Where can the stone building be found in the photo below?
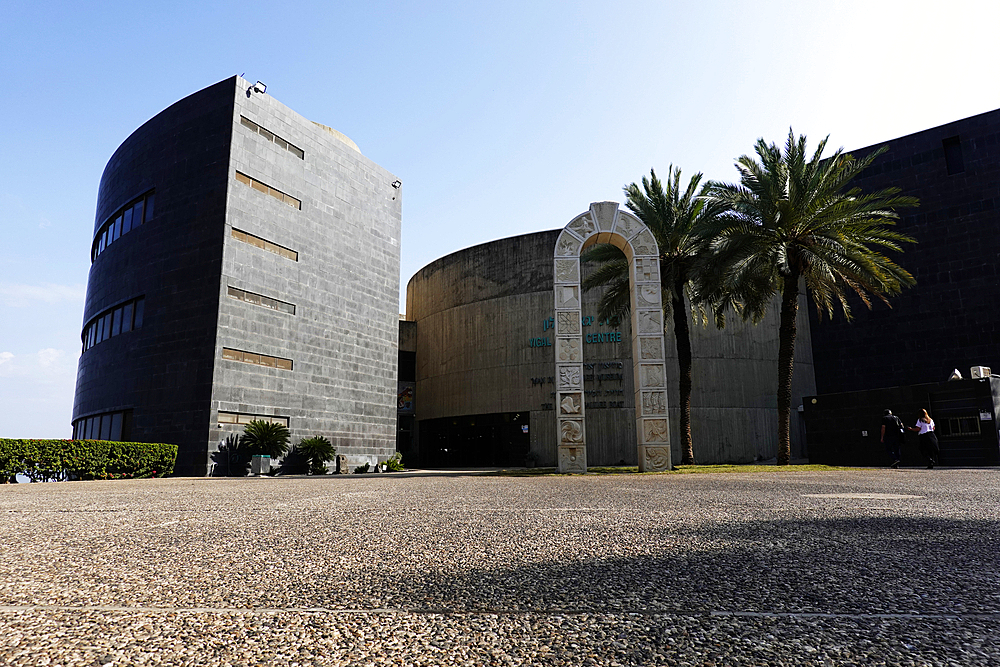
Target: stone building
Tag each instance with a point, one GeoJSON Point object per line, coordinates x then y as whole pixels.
{"type": "Point", "coordinates": [245, 266]}
{"type": "Point", "coordinates": [900, 357]}
{"type": "Point", "coordinates": [951, 318]}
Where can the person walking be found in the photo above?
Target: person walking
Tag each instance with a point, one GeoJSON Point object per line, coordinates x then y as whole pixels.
{"type": "Point", "coordinates": [892, 437]}
{"type": "Point", "coordinates": [928, 439]}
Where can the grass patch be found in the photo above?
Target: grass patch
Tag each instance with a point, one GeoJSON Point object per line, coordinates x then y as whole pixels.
{"type": "Point", "coordinates": [678, 470]}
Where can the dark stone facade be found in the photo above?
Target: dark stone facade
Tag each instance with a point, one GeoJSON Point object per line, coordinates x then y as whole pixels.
{"type": "Point", "coordinates": [845, 428]}
{"type": "Point", "coordinates": [951, 318]}
{"type": "Point", "coordinates": [269, 275]}
{"type": "Point", "coordinates": [163, 370]}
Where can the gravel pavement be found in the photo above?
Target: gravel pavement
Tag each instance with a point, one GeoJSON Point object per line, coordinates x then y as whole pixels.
{"type": "Point", "coordinates": [865, 567]}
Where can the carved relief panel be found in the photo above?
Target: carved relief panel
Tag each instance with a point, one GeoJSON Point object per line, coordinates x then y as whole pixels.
{"type": "Point", "coordinates": [650, 347]}
{"type": "Point", "coordinates": [569, 377]}
{"type": "Point", "coordinates": [570, 404]}
{"type": "Point", "coordinates": [652, 375]}
{"type": "Point", "coordinates": [655, 459]}
{"type": "Point", "coordinates": [571, 432]}
{"type": "Point", "coordinates": [568, 323]}
{"type": "Point", "coordinates": [627, 225]}
{"type": "Point", "coordinates": [568, 245]}
{"type": "Point", "coordinates": [647, 295]}
{"type": "Point", "coordinates": [583, 226]}
{"type": "Point", "coordinates": [647, 269]}
{"type": "Point", "coordinates": [655, 430]}
{"type": "Point", "coordinates": [654, 403]}
{"type": "Point", "coordinates": [567, 296]}
{"type": "Point", "coordinates": [567, 271]}
{"type": "Point", "coordinates": [569, 349]}
{"type": "Point", "coordinates": [649, 321]}
{"type": "Point", "coordinates": [572, 459]}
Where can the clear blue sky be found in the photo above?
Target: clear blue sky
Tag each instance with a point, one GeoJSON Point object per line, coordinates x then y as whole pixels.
{"type": "Point", "coordinates": [500, 118]}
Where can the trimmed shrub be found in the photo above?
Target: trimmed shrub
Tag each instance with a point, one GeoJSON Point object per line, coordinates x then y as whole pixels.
{"type": "Point", "coordinates": [317, 451]}
{"type": "Point", "coordinates": [84, 459]}
{"type": "Point", "coordinates": [264, 437]}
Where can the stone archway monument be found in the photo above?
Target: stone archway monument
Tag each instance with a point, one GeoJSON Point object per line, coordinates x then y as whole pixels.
{"type": "Point", "coordinates": [606, 223]}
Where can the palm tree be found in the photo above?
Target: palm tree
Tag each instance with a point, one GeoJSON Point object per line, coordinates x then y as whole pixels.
{"type": "Point", "coordinates": [265, 437]}
{"type": "Point", "coordinates": [790, 219]}
{"type": "Point", "coordinates": [679, 219]}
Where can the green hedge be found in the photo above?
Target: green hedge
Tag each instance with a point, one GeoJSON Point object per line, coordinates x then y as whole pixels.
{"type": "Point", "coordinates": [84, 459]}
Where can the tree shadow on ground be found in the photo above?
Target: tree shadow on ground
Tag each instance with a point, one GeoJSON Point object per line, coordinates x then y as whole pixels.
{"type": "Point", "coordinates": [842, 566]}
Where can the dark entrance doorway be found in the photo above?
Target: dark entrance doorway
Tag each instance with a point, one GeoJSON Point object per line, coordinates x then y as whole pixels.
{"type": "Point", "coordinates": [475, 441]}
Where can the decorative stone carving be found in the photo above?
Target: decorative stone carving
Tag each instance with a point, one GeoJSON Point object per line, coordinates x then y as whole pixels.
{"type": "Point", "coordinates": [655, 430]}
{"type": "Point", "coordinates": [604, 213]}
{"type": "Point", "coordinates": [568, 349]}
{"type": "Point", "coordinates": [627, 225]}
{"type": "Point", "coordinates": [568, 245]}
{"type": "Point", "coordinates": [571, 432]}
{"type": "Point", "coordinates": [650, 348]}
{"type": "Point", "coordinates": [572, 459]}
{"type": "Point", "coordinates": [646, 269]}
{"type": "Point", "coordinates": [652, 375]}
{"type": "Point", "coordinates": [567, 296]}
{"type": "Point", "coordinates": [571, 404]}
{"type": "Point", "coordinates": [570, 377]}
{"type": "Point", "coordinates": [647, 294]}
{"type": "Point", "coordinates": [568, 323]}
{"type": "Point", "coordinates": [654, 403]}
{"type": "Point", "coordinates": [655, 459]}
{"type": "Point", "coordinates": [649, 321]}
{"type": "Point", "coordinates": [644, 244]}
{"type": "Point", "coordinates": [584, 225]}
{"type": "Point", "coordinates": [567, 271]}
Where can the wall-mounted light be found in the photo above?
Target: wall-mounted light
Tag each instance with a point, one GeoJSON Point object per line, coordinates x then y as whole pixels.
{"type": "Point", "coordinates": [257, 88]}
{"type": "Point", "coordinates": [397, 184]}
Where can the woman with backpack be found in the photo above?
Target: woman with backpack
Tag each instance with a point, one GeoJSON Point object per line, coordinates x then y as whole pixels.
{"type": "Point", "coordinates": [892, 437]}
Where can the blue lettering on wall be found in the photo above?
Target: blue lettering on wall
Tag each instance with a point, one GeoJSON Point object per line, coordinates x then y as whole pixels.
{"type": "Point", "coordinates": [587, 320]}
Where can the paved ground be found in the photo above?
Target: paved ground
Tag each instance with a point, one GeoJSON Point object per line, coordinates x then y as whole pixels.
{"type": "Point", "coordinates": [867, 567]}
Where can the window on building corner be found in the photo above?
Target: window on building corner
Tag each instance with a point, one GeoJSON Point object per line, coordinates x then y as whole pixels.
{"type": "Point", "coordinates": [953, 155]}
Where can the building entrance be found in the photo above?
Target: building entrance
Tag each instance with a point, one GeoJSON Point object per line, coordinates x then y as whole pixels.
{"type": "Point", "coordinates": [475, 441]}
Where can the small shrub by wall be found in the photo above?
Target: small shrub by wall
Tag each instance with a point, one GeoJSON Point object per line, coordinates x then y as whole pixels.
{"type": "Point", "coordinates": [84, 459]}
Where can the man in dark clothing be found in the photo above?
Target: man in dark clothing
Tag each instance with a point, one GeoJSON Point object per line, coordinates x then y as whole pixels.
{"type": "Point", "coordinates": [892, 437]}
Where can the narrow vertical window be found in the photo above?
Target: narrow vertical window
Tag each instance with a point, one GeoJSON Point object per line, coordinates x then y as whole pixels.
{"type": "Point", "coordinates": [953, 155]}
{"type": "Point", "coordinates": [139, 308]}
{"type": "Point", "coordinates": [127, 221]}
{"type": "Point", "coordinates": [137, 213]}
{"type": "Point", "coordinates": [127, 317]}
{"type": "Point", "coordinates": [105, 427]}
{"type": "Point", "coordinates": [116, 427]}
{"type": "Point", "coordinates": [116, 322]}
{"type": "Point", "coordinates": [149, 207]}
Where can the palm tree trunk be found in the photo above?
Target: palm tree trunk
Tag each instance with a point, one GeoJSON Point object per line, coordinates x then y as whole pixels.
{"type": "Point", "coordinates": [786, 363]}
{"type": "Point", "coordinates": [683, 339]}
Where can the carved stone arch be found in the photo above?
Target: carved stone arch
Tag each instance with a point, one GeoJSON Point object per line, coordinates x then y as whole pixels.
{"type": "Point", "coordinates": [606, 223]}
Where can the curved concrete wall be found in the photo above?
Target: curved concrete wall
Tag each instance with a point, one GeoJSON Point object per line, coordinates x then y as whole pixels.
{"type": "Point", "coordinates": [478, 310]}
